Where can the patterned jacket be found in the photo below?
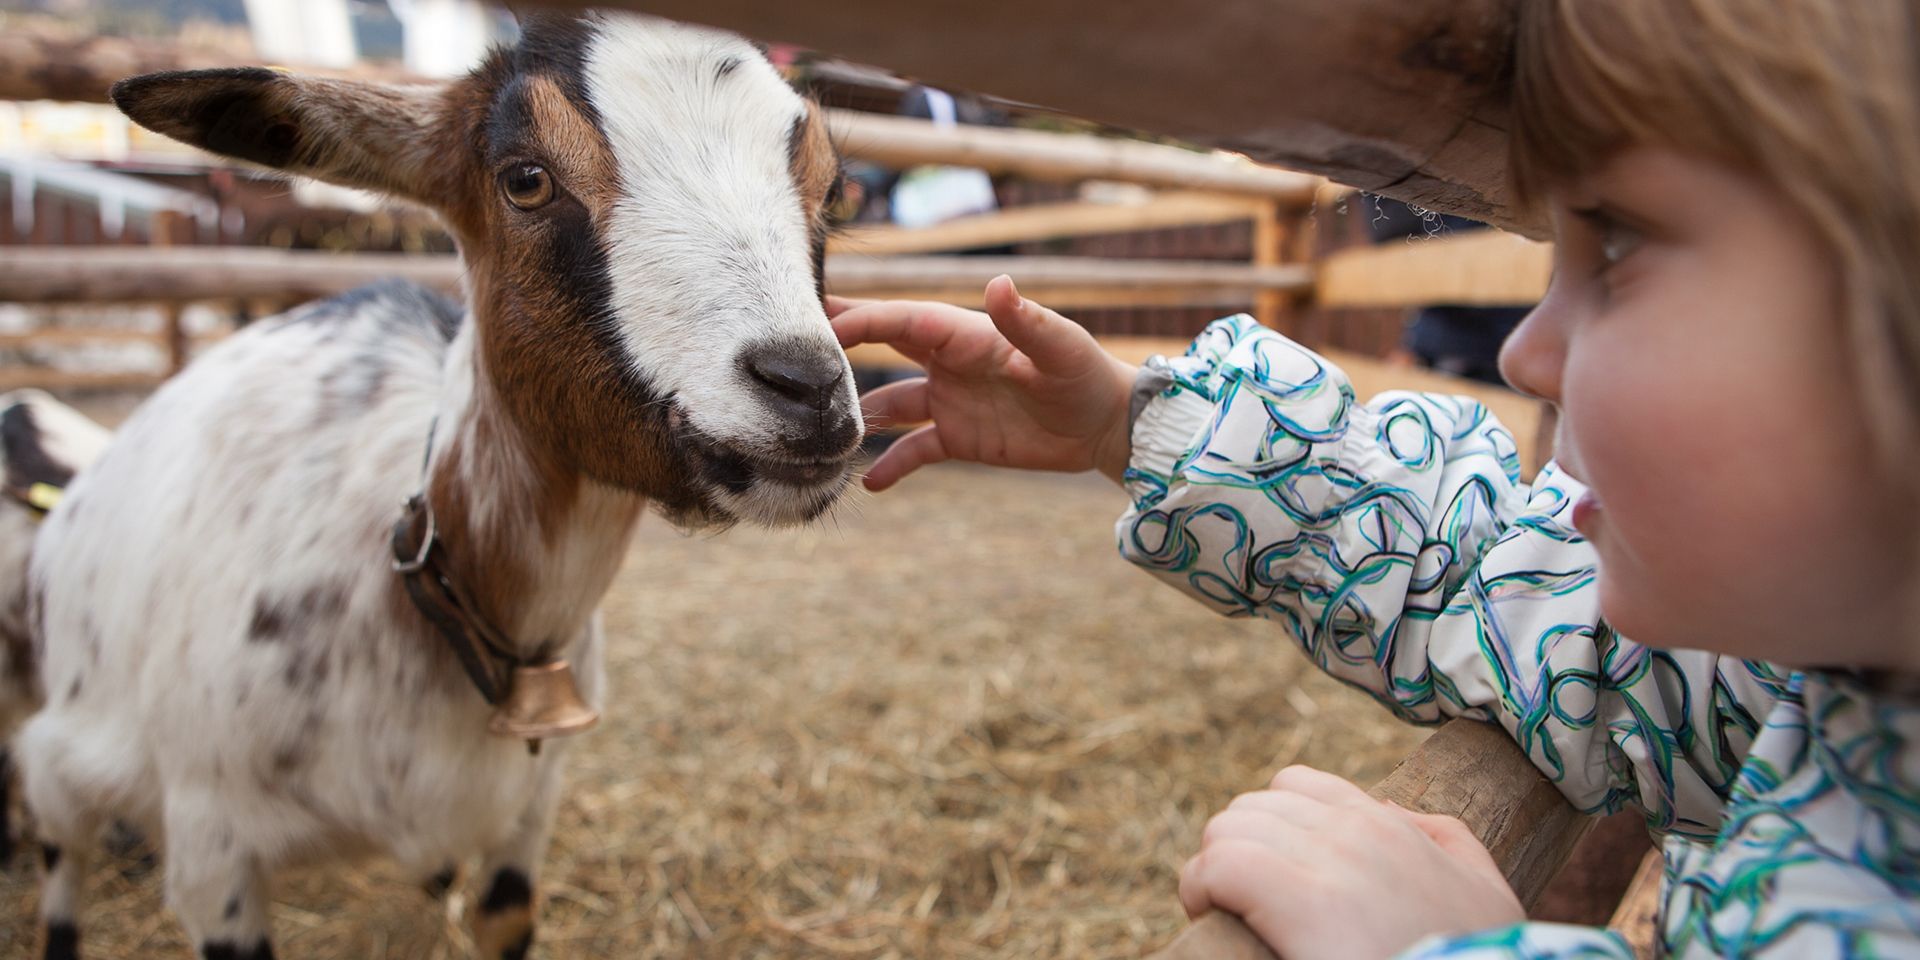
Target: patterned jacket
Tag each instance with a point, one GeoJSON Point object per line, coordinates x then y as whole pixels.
{"type": "Point", "coordinates": [1395, 544]}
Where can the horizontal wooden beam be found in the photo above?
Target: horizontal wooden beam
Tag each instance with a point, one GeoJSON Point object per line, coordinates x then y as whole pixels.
{"type": "Point", "coordinates": [43, 378]}
{"type": "Point", "coordinates": [1048, 221]}
{"type": "Point", "coordinates": [1468, 770]}
{"type": "Point", "coordinates": [853, 274]}
{"type": "Point", "coordinates": [1481, 268]}
{"type": "Point", "coordinates": [901, 142]}
{"type": "Point", "coordinates": [112, 274]}
{"type": "Point", "coordinates": [1067, 297]}
{"type": "Point", "coordinates": [1402, 97]}
{"type": "Point", "coordinates": [140, 274]}
{"type": "Point", "coordinates": [67, 338]}
{"type": "Point", "coordinates": [38, 62]}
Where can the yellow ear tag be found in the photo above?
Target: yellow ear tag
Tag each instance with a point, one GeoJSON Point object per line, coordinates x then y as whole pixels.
{"type": "Point", "coordinates": [44, 496]}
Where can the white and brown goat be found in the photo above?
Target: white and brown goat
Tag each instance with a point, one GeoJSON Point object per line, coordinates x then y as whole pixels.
{"type": "Point", "coordinates": [43, 443]}
{"type": "Point", "coordinates": [231, 661]}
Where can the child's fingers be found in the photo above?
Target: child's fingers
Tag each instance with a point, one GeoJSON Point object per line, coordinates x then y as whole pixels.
{"type": "Point", "coordinates": [1232, 875]}
{"type": "Point", "coordinates": [907, 454]}
{"type": "Point", "coordinates": [1054, 343]}
{"type": "Point", "coordinates": [1320, 785]}
{"type": "Point", "coordinates": [904, 401]}
{"type": "Point", "coordinates": [1193, 891]}
{"type": "Point", "coordinates": [1453, 836]}
{"type": "Point", "coordinates": [1295, 808]}
{"type": "Point", "coordinates": [839, 305]}
{"type": "Point", "coordinates": [913, 328]}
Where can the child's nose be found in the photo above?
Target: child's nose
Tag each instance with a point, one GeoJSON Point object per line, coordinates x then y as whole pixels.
{"type": "Point", "coordinates": [1535, 354]}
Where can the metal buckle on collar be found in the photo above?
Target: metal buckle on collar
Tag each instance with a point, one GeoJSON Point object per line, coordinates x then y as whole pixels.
{"type": "Point", "coordinates": [417, 504]}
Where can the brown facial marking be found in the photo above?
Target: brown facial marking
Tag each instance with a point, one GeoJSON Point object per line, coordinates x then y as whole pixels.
{"type": "Point", "coordinates": [813, 162]}
{"type": "Point", "coordinates": [542, 296]}
{"type": "Point", "coordinates": [575, 148]}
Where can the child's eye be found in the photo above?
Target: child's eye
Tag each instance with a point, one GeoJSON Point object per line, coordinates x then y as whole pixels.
{"type": "Point", "coordinates": [1618, 242]}
{"type": "Point", "coordinates": [1614, 238]}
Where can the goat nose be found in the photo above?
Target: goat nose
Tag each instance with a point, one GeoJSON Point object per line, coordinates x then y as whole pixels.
{"type": "Point", "coordinates": [798, 378]}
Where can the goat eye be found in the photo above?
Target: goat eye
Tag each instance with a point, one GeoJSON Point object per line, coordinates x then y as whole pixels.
{"type": "Point", "coordinates": [527, 186]}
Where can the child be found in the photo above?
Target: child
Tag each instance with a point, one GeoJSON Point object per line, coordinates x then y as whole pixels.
{"type": "Point", "coordinates": [1733, 340]}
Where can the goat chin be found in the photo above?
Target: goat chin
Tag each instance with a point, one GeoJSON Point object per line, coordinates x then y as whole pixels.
{"type": "Point", "coordinates": [773, 504]}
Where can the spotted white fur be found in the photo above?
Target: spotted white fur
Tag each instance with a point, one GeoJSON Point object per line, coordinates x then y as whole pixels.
{"type": "Point", "coordinates": [254, 492]}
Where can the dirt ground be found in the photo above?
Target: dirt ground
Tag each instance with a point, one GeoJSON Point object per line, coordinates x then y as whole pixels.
{"type": "Point", "coordinates": [950, 722]}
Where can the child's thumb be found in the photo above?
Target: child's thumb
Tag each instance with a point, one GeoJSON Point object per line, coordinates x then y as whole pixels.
{"type": "Point", "coordinates": [1054, 343]}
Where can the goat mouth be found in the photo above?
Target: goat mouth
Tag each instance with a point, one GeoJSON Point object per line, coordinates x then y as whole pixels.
{"type": "Point", "coordinates": [737, 471]}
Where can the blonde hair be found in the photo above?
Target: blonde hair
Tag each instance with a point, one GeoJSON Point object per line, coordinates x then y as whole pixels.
{"type": "Point", "coordinates": [1820, 98]}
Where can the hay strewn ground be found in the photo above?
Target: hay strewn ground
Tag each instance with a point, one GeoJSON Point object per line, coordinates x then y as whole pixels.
{"type": "Point", "coordinates": [951, 724]}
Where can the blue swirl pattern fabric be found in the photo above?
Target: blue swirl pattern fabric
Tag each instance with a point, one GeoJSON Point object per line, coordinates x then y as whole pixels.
{"type": "Point", "coordinates": [1396, 545]}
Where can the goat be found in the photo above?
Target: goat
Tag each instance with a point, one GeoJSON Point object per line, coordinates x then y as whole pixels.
{"type": "Point", "coordinates": [43, 443]}
{"type": "Point", "coordinates": [233, 664]}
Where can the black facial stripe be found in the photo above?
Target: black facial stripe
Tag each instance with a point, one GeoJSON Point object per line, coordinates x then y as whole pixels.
{"type": "Point", "coordinates": [510, 123]}
{"type": "Point", "coordinates": [573, 255]}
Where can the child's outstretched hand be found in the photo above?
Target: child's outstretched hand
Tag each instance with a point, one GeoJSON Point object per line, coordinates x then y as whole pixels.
{"type": "Point", "coordinates": [1017, 386]}
{"type": "Point", "coordinates": [1319, 869]}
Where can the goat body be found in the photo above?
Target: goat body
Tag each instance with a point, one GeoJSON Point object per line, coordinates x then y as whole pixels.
{"type": "Point", "coordinates": [229, 659]}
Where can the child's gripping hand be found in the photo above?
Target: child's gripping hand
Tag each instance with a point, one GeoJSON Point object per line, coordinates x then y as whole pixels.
{"type": "Point", "coordinates": [1018, 386]}
{"type": "Point", "coordinates": [1319, 869]}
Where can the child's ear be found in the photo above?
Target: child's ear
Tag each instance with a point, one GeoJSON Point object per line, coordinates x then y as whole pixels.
{"type": "Point", "coordinates": [365, 135]}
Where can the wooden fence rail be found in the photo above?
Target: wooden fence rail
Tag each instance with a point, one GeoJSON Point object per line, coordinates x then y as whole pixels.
{"type": "Point", "coordinates": [145, 274]}
{"type": "Point", "coordinates": [1469, 770]}
{"type": "Point", "coordinates": [1477, 268]}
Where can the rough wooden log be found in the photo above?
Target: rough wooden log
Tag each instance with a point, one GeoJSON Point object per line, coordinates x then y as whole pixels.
{"type": "Point", "coordinates": [136, 274]}
{"type": "Point", "coordinates": [1048, 221]}
{"type": "Point", "coordinates": [1402, 97]}
{"type": "Point", "coordinates": [1468, 770]}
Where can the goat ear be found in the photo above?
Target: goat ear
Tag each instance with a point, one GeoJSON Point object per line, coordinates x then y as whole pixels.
{"type": "Point", "coordinates": [371, 136]}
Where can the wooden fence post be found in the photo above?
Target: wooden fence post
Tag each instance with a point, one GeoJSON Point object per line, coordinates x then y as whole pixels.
{"type": "Point", "coordinates": [1269, 244]}
{"type": "Point", "coordinates": [173, 332]}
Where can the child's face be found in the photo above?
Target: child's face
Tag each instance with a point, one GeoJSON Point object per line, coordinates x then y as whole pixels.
{"type": "Point", "coordinates": [1692, 338]}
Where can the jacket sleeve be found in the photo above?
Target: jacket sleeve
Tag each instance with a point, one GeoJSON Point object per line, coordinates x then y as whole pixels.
{"type": "Point", "coordinates": [1525, 941]}
{"type": "Point", "coordinates": [1396, 545]}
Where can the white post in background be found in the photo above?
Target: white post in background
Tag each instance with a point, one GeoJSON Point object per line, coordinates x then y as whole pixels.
{"type": "Point", "coordinates": [443, 38]}
{"type": "Point", "coordinates": [315, 32]}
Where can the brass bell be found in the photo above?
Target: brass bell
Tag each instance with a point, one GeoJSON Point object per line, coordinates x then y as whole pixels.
{"type": "Point", "coordinates": [542, 703]}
